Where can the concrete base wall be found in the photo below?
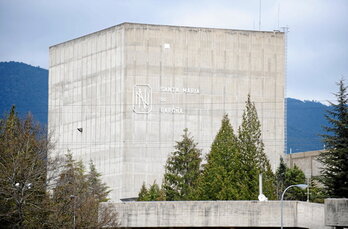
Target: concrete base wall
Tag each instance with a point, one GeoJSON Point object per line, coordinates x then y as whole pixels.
{"type": "Point", "coordinates": [219, 214]}
{"type": "Point", "coordinates": [336, 212]}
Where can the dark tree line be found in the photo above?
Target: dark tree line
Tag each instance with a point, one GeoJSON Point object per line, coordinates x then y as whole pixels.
{"type": "Point", "coordinates": [37, 192]}
{"type": "Point", "coordinates": [23, 147]}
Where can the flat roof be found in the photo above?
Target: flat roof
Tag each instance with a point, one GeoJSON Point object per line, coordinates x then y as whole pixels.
{"type": "Point", "coordinates": [305, 154]}
{"type": "Point", "coordinates": [158, 25]}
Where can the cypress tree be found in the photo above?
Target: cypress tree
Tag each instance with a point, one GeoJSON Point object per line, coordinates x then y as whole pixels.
{"type": "Point", "coordinates": [182, 169]}
{"type": "Point", "coordinates": [153, 193]}
{"type": "Point", "coordinates": [220, 179]}
{"type": "Point", "coordinates": [142, 196]}
{"type": "Point", "coordinates": [253, 158]}
{"type": "Point", "coordinates": [335, 170]}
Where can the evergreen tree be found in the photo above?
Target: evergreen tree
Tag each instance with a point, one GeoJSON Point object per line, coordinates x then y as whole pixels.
{"type": "Point", "coordinates": [335, 170]}
{"type": "Point", "coordinates": [23, 148]}
{"type": "Point", "coordinates": [316, 193]}
{"type": "Point", "coordinates": [96, 187]}
{"type": "Point", "coordinates": [142, 196]}
{"type": "Point", "coordinates": [295, 176]}
{"type": "Point", "coordinates": [220, 179]}
{"type": "Point", "coordinates": [154, 193]}
{"type": "Point", "coordinates": [286, 176]}
{"type": "Point", "coordinates": [76, 197]}
{"type": "Point", "coordinates": [182, 169]}
{"type": "Point", "coordinates": [280, 178]}
{"type": "Point", "coordinates": [69, 194]}
{"type": "Point", "coordinates": [253, 158]}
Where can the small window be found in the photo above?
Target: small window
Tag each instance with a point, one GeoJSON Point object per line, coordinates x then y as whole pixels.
{"type": "Point", "coordinates": [166, 46]}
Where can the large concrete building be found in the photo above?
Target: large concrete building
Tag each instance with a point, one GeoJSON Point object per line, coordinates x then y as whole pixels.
{"type": "Point", "coordinates": [307, 161]}
{"type": "Point", "coordinates": [122, 96]}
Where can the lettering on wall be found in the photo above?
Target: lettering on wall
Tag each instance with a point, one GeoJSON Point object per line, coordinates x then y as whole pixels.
{"type": "Point", "coordinates": [142, 99]}
{"type": "Point", "coordinates": [173, 110]}
{"type": "Point", "coordinates": [180, 90]}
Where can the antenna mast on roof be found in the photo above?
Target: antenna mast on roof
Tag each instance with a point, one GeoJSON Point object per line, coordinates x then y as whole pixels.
{"type": "Point", "coordinates": [260, 15]}
{"type": "Point", "coordinates": [278, 13]}
{"type": "Point", "coordinates": [286, 31]}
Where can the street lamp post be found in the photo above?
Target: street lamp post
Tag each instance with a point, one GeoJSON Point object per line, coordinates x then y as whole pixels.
{"type": "Point", "coordinates": [302, 186]}
{"type": "Point", "coordinates": [73, 198]}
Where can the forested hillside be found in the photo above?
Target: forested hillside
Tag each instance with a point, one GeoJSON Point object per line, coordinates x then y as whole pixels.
{"type": "Point", "coordinates": [26, 87]}
{"type": "Point", "coordinates": [305, 120]}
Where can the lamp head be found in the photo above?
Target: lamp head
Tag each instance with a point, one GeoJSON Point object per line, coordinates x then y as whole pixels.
{"type": "Point", "coordinates": [302, 186]}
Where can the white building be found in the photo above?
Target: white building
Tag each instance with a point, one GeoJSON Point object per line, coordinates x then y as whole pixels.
{"type": "Point", "coordinates": [131, 90]}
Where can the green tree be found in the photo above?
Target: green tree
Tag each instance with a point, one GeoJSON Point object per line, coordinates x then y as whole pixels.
{"type": "Point", "coordinates": [143, 194]}
{"type": "Point", "coordinates": [75, 201]}
{"type": "Point", "coordinates": [253, 159]}
{"type": "Point", "coordinates": [182, 169]}
{"type": "Point", "coordinates": [316, 193]}
{"type": "Point", "coordinates": [334, 158]}
{"type": "Point", "coordinates": [220, 179]}
{"type": "Point", "coordinates": [70, 186]}
{"type": "Point", "coordinates": [234, 163]}
{"type": "Point", "coordinates": [295, 176]}
{"type": "Point", "coordinates": [154, 193]}
{"type": "Point", "coordinates": [280, 178]}
{"type": "Point", "coordinates": [96, 187]}
{"type": "Point", "coordinates": [286, 176]}
{"type": "Point", "coordinates": [23, 148]}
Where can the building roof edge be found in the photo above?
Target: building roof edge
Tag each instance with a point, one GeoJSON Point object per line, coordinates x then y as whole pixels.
{"type": "Point", "coordinates": [159, 25]}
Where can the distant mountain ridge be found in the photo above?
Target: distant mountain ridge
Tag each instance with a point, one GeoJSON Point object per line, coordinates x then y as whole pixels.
{"type": "Point", "coordinates": [27, 87]}
{"type": "Point", "coordinates": [305, 121]}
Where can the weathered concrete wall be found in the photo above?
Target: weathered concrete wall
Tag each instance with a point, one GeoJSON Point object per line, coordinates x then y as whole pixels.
{"type": "Point", "coordinates": [86, 91]}
{"type": "Point", "coordinates": [336, 212]}
{"type": "Point", "coordinates": [221, 67]}
{"type": "Point", "coordinates": [133, 88]}
{"type": "Point", "coordinates": [306, 161]}
{"type": "Point", "coordinates": [220, 214]}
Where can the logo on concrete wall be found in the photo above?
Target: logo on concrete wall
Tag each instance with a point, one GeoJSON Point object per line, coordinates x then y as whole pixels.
{"type": "Point", "coordinates": [142, 99]}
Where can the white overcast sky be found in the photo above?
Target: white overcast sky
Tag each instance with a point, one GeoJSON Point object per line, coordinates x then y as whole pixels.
{"type": "Point", "coordinates": [317, 41]}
